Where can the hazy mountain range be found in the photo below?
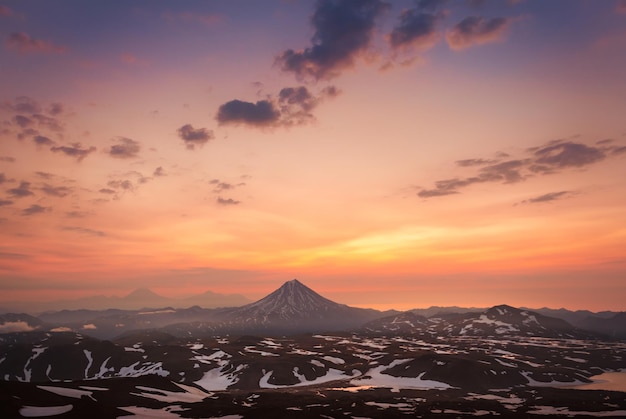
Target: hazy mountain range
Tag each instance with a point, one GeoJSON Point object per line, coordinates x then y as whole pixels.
{"type": "Point", "coordinates": [295, 308]}
{"type": "Point", "coordinates": [136, 300]}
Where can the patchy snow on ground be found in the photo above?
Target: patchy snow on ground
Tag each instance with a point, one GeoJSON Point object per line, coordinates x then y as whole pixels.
{"type": "Point", "coordinates": [67, 392]}
{"type": "Point", "coordinates": [331, 375]}
{"type": "Point", "coordinates": [145, 412]}
{"type": "Point", "coordinates": [145, 369]}
{"type": "Point", "coordinates": [551, 410]}
{"type": "Point", "coordinates": [256, 351]}
{"type": "Point", "coordinates": [334, 360]}
{"type": "Point", "coordinates": [214, 380]}
{"type": "Point", "coordinates": [190, 395]}
{"type": "Point", "coordinates": [44, 411]}
{"type": "Point", "coordinates": [376, 378]}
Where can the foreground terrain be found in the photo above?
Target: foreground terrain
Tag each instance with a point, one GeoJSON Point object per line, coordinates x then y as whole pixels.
{"type": "Point", "coordinates": [501, 361]}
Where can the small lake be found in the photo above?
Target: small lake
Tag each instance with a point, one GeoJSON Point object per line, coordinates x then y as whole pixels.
{"type": "Point", "coordinates": [615, 381]}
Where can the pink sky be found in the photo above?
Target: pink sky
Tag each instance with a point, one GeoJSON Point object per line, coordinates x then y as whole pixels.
{"type": "Point", "coordinates": [388, 155]}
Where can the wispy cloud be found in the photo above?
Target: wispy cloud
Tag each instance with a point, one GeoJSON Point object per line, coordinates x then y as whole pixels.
{"type": "Point", "coordinates": [553, 157]}
{"type": "Point", "coordinates": [75, 150]}
{"type": "Point", "coordinates": [34, 209]}
{"type": "Point", "coordinates": [548, 197]}
{"type": "Point", "coordinates": [477, 30]}
{"type": "Point", "coordinates": [125, 148]}
{"type": "Point", "coordinates": [86, 231]}
{"type": "Point", "coordinates": [228, 201]}
{"type": "Point", "coordinates": [21, 191]}
{"type": "Point", "coordinates": [24, 43]}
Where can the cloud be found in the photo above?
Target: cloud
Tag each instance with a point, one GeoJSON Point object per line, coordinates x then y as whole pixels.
{"type": "Point", "coordinates": [44, 175]}
{"type": "Point", "coordinates": [75, 150]}
{"type": "Point", "coordinates": [228, 201]}
{"type": "Point", "coordinates": [76, 214]}
{"type": "Point", "coordinates": [56, 108]}
{"type": "Point", "coordinates": [552, 196]}
{"type": "Point", "coordinates": [22, 121]}
{"type": "Point", "coordinates": [23, 43]}
{"type": "Point", "coordinates": [474, 162]}
{"type": "Point", "coordinates": [553, 157]}
{"type": "Point", "coordinates": [343, 31]}
{"type": "Point", "coordinates": [126, 185]}
{"type": "Point", "coordinates": [58, 191]}
{"type": "Point", "coordinates": [125, 149]}
{"type": "Point", "coordinates": [19, 326]}
{"type": "Point", "coordinates": [417, 27]}
{"type": "Point", "coordinates": [292, 106]}
{"type": "Point", "coordinates": [159, 172]}
{"type": "Point", "coordinates": [209, 19]}
{"type": "Point", "coordinates": [7, 159]}
{"type": "Point", "coordinates": [5, 11]}
{"type": "Point", "coordinates": [40, 140]}
{"type": "Point", "coordinates": [107, 191]}
{"type": "Point", "coordinates": [476, 30]}
{"type": "Point", "coordinates": [34, 209]}
{"type": "Point", "coordinates": [194, 136]}
{"type": "Point", "coordinates": [23, 104]}
{"type": "Point", "coordinates": [5, 202]}
{"type": "Point", "coordinates": [568, 154]}
{"type": "Point", "coordinates": [261, 113]}
{"type": "Point", "coordinates": [2, 178]}
{"type": "Point", "coordinates": [21, 191]}
{"type": "Point", "coordinates": [87, 231]}
{"type": "Point", "coordinates": [48, 122]}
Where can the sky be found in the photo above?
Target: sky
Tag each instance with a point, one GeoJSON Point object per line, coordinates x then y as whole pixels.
{"type": "Point", "coordinates": [387, 154]}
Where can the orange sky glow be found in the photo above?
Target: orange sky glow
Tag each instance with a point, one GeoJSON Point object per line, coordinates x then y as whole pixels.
{"type": "Point", "coordinates": [472, 157]}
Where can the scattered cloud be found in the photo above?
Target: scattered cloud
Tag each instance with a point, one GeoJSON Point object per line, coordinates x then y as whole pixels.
{"type": "Point", "coordinates": [86, 231]}
{"type": "Point", "coordinates": [195, 136]}
{"type": "Point", "coordinates": [474, 162]}
{"type": "Point", "coordinates": [23, 104]}
{"type": "Point", "coordinates": [547, 159]}
{"type": "Point", "coordinates": [343, 31]}
{"type": "Point", "coordinates": [126, 185]}
{"type": "Point", "coordinates": [228, 201]}
{"type": "Point", "coordinates": [75, 150]}
{"type": "Point", "coordinates": [549, 197]}
{"type": "Point", "coordinates": [56, 108]}
{"type": "Point", "coordinates": [292, 106]}
{"type": "Point", "coordinates": [24, 43]}
{"type": "Point", "coordinates": [159, 172]}
{"type": "Point", "coordinates": [7, 159]}
{"type": "Point", "coordinates": [261, 113]}
{"type": "Point", "coordinates": [107, 191]}
{"type": "Point", "coordinates": [5, 202]}
{"type": "Point", "coordinates": [477, 30]}
{"type": "Point", "coordinates": [58, 191]}
{"type": "Point", "coordinates": [125, 149]}
{"type": "Point", "coordinates": [22, 121]}
{"type": "Point", "coordinates": [41, 140]}
{"type": "Point", "coordinates": [5, 11]}
{"type": "Point", "coordinates": [34, 209]}
{"type": "Point", "coordinates": [44, 175]}
{"type": "Point", "coordinates": [3, 178]}
{"type": "Point", "coordinates": [417, 27]}
{"type": "Point", "coordinates": [208, 19]}
{"type": "Point", "coordinates": [21, 191]}
{"type": "Point", "coordinates": [77, 214]}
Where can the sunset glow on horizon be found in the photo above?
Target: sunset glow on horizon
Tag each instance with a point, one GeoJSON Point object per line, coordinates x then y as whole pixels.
{"type": "Point", "coordinates": [387, 154]}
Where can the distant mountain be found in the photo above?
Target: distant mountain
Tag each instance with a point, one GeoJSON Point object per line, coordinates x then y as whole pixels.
{"type": "Point", "coordinates": [502, 320]}
{"type": "Point", "coordinates": [614, 326]}
{"type": "Point", "coordinates": [136, 300]}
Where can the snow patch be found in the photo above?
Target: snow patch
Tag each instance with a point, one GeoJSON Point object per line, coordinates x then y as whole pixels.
{"type": "Point", "coordinates": [44, 411]}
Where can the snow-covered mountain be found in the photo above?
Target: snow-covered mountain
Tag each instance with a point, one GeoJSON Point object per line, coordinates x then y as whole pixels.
{"type": "Point", "coordinates": [292, 308]}
{"type": "Point", "coordinates": [501, 320]}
